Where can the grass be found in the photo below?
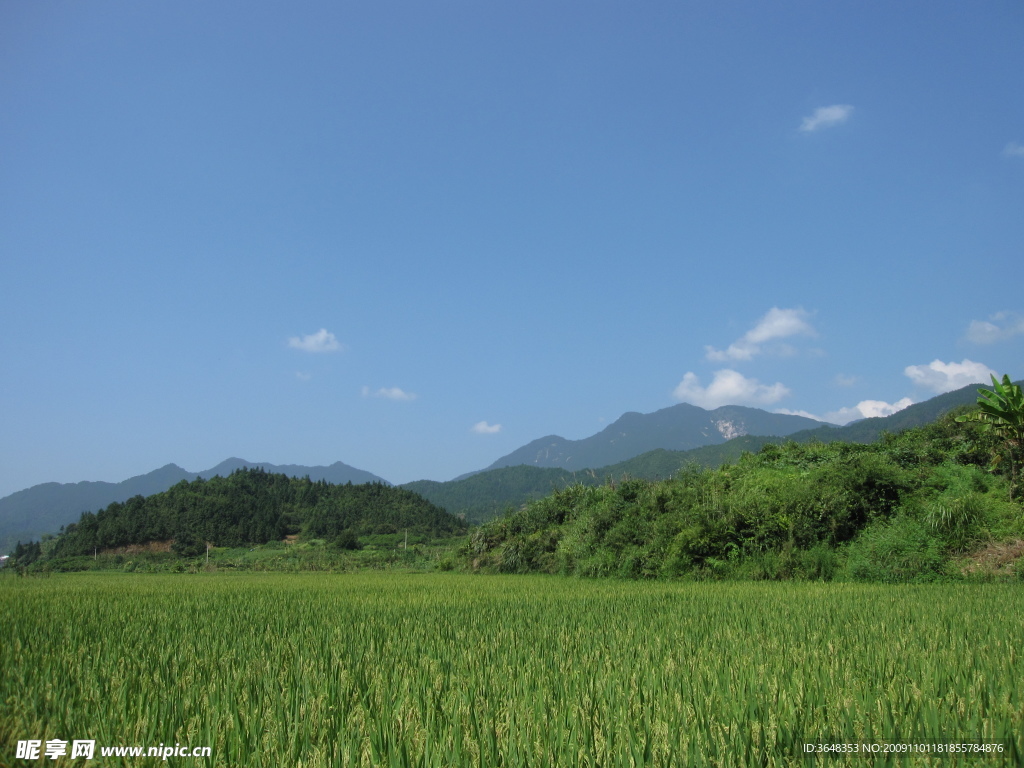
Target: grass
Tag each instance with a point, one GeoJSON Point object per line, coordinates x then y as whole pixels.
{"type": "Point", "coordinates": [446, 669]}
{"type": "Point", "coordinates": [376, 552]}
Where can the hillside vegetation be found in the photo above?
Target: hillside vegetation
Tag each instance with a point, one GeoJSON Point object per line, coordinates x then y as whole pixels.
{"type": "Point", "coordinates": [251, 507]}
{"type": "Point", "coordinates": [900, 509]}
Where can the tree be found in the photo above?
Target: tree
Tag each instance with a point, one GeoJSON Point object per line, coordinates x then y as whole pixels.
{"type": "Point", "coordinates": [1001, 411]}
{"type": "Point", "coordinates": [187, 544]}
{"type": "Point", "coordinates": [347, 540]}
{"type": "Point", "coordinates": [25, 554]}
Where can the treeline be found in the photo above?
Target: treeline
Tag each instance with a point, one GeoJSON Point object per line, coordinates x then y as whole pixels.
{"type": "Point", "coordinates": [899, 509]}
{"type": "Point", "coordinates": [252, 506]}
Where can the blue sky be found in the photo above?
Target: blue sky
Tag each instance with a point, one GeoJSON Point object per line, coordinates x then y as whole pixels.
{"type": "Point", "coordinates": [413, 236]}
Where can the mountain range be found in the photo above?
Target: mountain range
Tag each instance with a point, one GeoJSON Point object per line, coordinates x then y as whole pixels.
{"type": "Point", "coordinates": [481, 496]}
{"type": "Point", "coordinates": [640, 445]}
{"type": "Point", "coordinates": [679, 427]}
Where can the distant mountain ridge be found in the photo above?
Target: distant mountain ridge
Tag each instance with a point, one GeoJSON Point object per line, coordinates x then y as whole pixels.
{"type": "Point", "coordinates": [651, 446]}
{"type": "Point", "coordinates": [679, 427]}
{"type": "Point", "coordinates": [337, 473]}
{"type": "Point", "coordinates": [481, 496]}
{"type": "Point", "coordinates": [44, 508]}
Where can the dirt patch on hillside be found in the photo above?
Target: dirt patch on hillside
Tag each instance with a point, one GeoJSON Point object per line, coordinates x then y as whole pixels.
{"type": "Point", "coordinates": [138, 549]}
{"type": "Point", "coordinates": [999, 559]}
{"type": "Point", "coordinates": [291, 539]}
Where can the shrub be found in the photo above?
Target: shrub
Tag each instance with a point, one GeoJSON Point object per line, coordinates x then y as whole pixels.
{"type": "Point", "coordinates": [899, 550]}
{"type": "Point", "coordinates": [855, 491]}
{"type": "Point", "coordinates": [347, 540]}
{"type": "Point", "coordinates": [187, 544]}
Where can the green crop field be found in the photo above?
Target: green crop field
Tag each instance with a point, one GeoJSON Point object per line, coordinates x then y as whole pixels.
{"type": "Point", "coordinates": [451, 670]}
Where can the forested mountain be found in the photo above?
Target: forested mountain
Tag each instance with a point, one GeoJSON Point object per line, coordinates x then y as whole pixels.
{"type": "Point", "coordinates": [44, 508]}
{"type": "Point", "coordinates": [679, 428]}
{"type": "Point", "coordinates": [252, 506]}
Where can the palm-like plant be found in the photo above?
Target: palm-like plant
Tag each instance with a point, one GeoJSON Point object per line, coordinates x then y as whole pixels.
{"type": "Point", "coordinates": [1001, 410]}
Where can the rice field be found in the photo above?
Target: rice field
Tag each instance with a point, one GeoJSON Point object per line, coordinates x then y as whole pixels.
{"type": "Point", "coordinates": [382, 669]}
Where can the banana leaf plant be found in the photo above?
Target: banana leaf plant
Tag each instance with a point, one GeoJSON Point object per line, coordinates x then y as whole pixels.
{"type": "Point", "coordinates": [1001, 410]}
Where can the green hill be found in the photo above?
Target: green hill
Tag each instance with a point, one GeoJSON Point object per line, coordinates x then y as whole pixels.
{"type": "Point", "coordinates": [901, 509]}
{"type": "Point", "coordinates": [252, 506]}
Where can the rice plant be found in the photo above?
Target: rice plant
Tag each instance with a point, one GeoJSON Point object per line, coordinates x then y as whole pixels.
{"type": "Point", "coordinates": [459, 670]}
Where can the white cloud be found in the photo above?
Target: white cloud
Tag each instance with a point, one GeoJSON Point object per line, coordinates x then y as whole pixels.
{"type": "Point", "coordinates": [842, 380]}
{"type": "Point", "coordinates": [873, 408]}
{"type": "Point", "coordinates": [728, 388]}
{"type": "Point", "coordinates": [779, 323]}
{"type": "Point", "coordinates": [866, 409]}
{"type": "Point", "coordinates": [942, 377]}
{"type": "Point", "coordinates": [825, 117]}
{"type": "Point", "coordinates": [937, 376]}
{"type": "Point", "coordinates": [1013, 149]}
{"type": "Point", "coordinates": [390, 393]}
{"type": "Point", "coordinates": [776, 324]}
{"type": "Point", "coordinates": [483, 428]}
{"type": "Point", "coordinates": [805, 414]}
{"type": "Point", "coordinates": [999, 327]}
{"type": "Point", "coordinates": [736, 351]}
{"type": "Point", "coordinates": [303, 376]}
{"type": "Point", "coordinates": [321, 341]}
